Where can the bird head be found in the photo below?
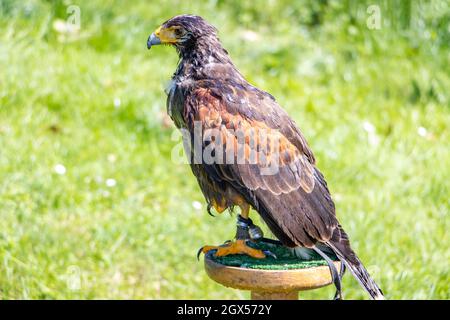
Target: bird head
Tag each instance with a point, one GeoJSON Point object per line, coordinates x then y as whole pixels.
{"type": "Point", "coordinates": [182, 31]}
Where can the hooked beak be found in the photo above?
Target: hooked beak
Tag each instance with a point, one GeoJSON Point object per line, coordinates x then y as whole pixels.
{"type": "Point", "coordinates": [153, 41]}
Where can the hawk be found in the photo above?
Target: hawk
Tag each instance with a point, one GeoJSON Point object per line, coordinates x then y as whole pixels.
{"type": "Point", "coordinates": [246, 151]}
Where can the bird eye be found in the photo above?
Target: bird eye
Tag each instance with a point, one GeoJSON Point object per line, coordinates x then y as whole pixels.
{"type": "Point", "coordinates": [178, 32]}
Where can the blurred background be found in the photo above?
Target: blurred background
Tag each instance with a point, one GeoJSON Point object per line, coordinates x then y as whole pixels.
{"type": "Point", "coordinates": [91, 205]}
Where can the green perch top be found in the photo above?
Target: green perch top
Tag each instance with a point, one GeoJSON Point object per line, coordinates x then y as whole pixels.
{"type": "Point", "coordinates": [286, 260]}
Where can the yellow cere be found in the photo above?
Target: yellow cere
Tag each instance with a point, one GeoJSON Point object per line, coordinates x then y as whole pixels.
{"type": "Point", "coordinates": [166, 35]}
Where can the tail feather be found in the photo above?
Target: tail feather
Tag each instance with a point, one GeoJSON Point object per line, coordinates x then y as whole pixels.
{"type": "Point", "coordinates": [342, 249]}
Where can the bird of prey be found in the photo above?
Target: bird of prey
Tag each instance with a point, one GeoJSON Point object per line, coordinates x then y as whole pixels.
{"type": "Point", "coordinates": [246, 151]}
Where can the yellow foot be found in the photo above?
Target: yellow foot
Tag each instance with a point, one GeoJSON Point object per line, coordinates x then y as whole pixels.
{"type": "Point", "coordinates": [237, 247]}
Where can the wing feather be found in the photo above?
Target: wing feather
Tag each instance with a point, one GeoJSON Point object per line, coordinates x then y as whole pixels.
{"type": "Point", "coordinates": [283, 183]}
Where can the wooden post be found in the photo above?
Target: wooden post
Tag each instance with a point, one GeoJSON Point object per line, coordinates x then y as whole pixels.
{"type": "Point", "coordinates": [269, 284]}
{"type": "Point", "coordinates": [290, 295]}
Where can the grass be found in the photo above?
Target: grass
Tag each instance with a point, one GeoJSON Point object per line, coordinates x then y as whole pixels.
{"type": "Point", "coordinates": [123, 221]}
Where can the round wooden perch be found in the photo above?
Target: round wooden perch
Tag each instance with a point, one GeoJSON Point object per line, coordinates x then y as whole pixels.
{"type": "Point", "coordinates": [274, 283]}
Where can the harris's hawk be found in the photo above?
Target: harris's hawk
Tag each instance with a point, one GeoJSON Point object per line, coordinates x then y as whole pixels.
{"type": "Point", "coordinates": [252, 154]}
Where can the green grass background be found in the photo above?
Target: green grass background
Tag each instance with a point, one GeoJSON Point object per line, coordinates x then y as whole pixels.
{"type": "Point", "coordinates": [374, 105]}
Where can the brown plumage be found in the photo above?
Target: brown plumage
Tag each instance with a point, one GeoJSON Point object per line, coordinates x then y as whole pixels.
{"type": "Point", "coordinates": [208, 90]}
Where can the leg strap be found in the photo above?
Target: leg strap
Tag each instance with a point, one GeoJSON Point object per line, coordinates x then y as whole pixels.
{"type": "Point", "coordinates": [334, 273]}
{"type": "Point", "coordinates": [249, 229]}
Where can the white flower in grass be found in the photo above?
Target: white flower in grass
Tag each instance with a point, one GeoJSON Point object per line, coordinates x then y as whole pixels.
{"type": "Point", "coordinates": [421, 131]}
{"type": "Point", "coordinates": [197, 205]}
{"type": "Point", "coordinates": [250, 35]}
{"type": "Point", "coordinates": [110, 183]}
{"type": "Point", "coordinates": [370, 128]}
{"type": "Point", "coordinates": [60, 169]}
{"type": "Point", "coordinates": [117, 103]}
{"type": "Point", "coordinates": [64, 27]}
{"type": "Point", "coordinates": [337, 197]}
{"type": "Point", "coordinates": [112, 158]}
{"type": "Point", "coordinates": [371, 133]}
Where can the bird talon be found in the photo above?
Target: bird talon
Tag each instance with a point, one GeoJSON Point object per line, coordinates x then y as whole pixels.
{"type": "Point", "coordinates": [205, 249]}
{"type": "Point", "coordinates": [270, 254]}
{"type": "Point", "coordinates": [230, 247]}
{"type": "Point", "coordinates": [199, 252]}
